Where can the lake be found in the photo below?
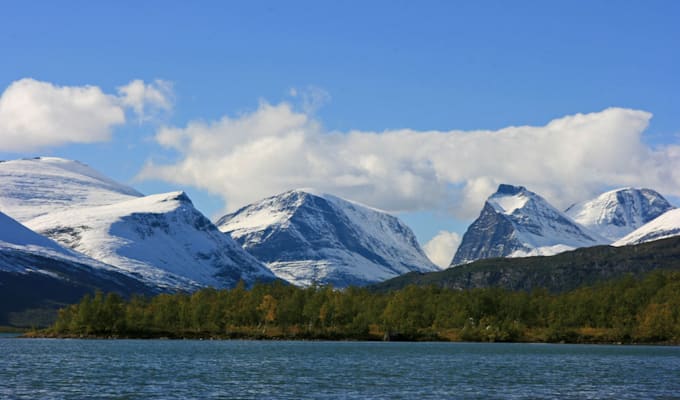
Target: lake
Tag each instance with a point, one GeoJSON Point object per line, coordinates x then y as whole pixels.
{"type": "Point", "coordinates": [164, 369]}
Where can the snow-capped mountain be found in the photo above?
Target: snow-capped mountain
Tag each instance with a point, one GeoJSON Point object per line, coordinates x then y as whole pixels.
{"type": "Point", "coordinates": [160, 239]}
{"type": "Point", "coordinates": [516, 222]}
{"type": "Point", "coordinates": [306, 237]}
{"type": "Point", "coordinates": [663, 226]}
{"type": "Point", "coordinates": [15, 235]}
{"type": "Point", "coordinates": [38, 186]}
{"type": "Point", "coordinates": [36, 272]}
{"type": "Point", "coordinates": [617, 213]}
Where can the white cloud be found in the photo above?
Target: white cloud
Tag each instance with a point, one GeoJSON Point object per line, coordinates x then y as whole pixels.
{"type": "Point", "coordinates": [146, 100]}
{"type": "Point", "coordinates": [441, 248]}
{"type": "Point", "coordinates": [311, 98]}
{"type": "Point", "coordinates": [275, 148]}
{"type": "Point", "coordinates": [35, 114]}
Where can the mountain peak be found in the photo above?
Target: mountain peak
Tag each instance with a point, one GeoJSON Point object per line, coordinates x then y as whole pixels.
{"type": "Point", "coordinates": [54, 160]}
{"type": "Point", "coordinates": [39, 186]}
{"type": "Point", "coordinates": [509, 198]}
{"type": "Point", "coordinates": [509, 190]}
{"type": "Point", "coordinates": [310, 237]}
{"type": "Point", "coordinates": [306, 191]}
{"type": "Point", "coordinates": [616, 213]}
{"type": "Point", "coordinates": [516, 222]}
{"type": "Point", "coordinates": [179, 196]}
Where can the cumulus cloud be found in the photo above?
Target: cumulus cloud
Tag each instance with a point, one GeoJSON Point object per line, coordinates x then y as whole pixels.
{"type": "Point", "coordinates": [147, 99]}
{"type": "Point", "coordinates": [441, 248]}
{"type": "Point", "coordinates": [35, 114]}
{"type": "Point", "coordinates": [276, 148]}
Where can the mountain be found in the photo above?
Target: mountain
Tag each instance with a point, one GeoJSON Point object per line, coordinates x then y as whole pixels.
{"type": "Point", "coordinates": [516, 222]}
{"type": "Point", "coordinates": [617, 213]}
{"type": "Point", "coordinates": [558, 273]}
{"type": "Point", "coordinates": [38, 275]}
{"type": "Point", "coordinates": [663, 226]}
{"type": "Point", "coordinates": [14, 234]}
{"type": "Point", "coordinates": [41, 185]}
{"type": "Point", "coordinates": [306, 237]}
{"type": "Point", "coordinates": [161, 240]}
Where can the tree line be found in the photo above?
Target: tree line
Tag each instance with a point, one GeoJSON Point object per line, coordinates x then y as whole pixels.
{"type": "Point", "coordinates": [630, 309]}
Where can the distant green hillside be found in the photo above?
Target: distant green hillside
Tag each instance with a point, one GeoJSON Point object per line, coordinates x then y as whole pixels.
{"type": "Point", "coordinates": [558, 273]}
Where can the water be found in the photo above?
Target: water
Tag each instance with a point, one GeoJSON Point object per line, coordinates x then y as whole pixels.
{"type": "Point", "coordinates": [158, 369]}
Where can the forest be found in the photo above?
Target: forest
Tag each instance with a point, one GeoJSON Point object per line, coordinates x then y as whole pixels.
{"type": "Point", "coordinates": [626, 310]}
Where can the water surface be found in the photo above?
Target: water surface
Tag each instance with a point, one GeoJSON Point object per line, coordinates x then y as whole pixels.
{"type": "Point", "coordinates": [162, 369]}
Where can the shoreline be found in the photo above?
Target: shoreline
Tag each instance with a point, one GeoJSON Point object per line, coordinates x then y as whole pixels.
{"type": "Point", "coordinates": [267, 338]}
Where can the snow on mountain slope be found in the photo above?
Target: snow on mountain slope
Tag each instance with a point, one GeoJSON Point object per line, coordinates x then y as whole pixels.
{"type": "Point", "coordinates": [161, 239]}
{"type": "Point", "coordinates": [306, 237]}
{"type": "Point", "coordinates": [663, 226]}
{"type": "Point", "coordinates": [38, 186]}
{"type": "Point", "coordinates": [13, 234]}
{"type": "Point", "coordinates": [616, 213]}
{"type": "Point", "coordinates": [45, 268]}
{"type": "Point", "coordinates": [37, 273]}
{"type": "Point", "coordinates": [516, 222]}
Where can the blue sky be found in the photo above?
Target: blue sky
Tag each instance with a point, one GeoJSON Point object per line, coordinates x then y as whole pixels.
{"type": "Point", "coordinates": [365, 67]}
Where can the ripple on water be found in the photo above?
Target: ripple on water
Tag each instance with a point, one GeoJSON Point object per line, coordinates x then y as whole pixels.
{"type": "Point", "coordinates": [154, 369]}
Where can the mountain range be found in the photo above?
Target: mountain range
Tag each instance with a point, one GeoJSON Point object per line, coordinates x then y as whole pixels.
{"type": "Point", "coordinates": [516, 222]}
{"type": "Point", "coordinates": [160, 240]}
{"type": "Point", "coordinates": [66, 229]}
{"type": "Point", "coordinates": [163, 241]}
